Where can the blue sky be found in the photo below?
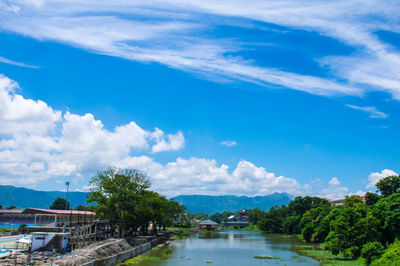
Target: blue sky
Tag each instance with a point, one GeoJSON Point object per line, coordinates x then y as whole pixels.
{"type": "Point", "coordinates": [243, 98]}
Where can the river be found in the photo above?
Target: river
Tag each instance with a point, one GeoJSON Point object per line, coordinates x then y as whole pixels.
{"type": "Point", "coordinates": [229, 248]}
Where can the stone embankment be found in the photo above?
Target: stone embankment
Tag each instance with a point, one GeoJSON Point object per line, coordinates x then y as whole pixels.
{"type": "Point", "coordinates": [111, 252]}
{"type": "Point", "coordinates": [102, 253]}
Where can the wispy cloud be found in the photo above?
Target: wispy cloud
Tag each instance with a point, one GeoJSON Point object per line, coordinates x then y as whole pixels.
{"type": "Point", "coordinates": [228, 143]}
{"type": "Point", "coordinates": [177, 33]}
{"type": "Point", "coordinates": [371, 110]}
{"type": "Point", "coordinates": [15, 63]}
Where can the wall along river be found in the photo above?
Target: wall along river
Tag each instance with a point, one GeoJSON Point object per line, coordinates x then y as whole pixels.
{"type": "Point", "coordinates": [228, 248]}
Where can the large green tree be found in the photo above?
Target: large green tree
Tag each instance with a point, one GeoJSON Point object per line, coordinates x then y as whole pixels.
{"type": "Point", "coordinates": [351, 228]}
{"type": "Point", "coordinates": [387, 211]}
{"type": "Point", "coordinates": [60, 204]}
{"type": "Point", "coordinates": [389, 185]}
{"type": "Point", "coordinates": [118, 193]}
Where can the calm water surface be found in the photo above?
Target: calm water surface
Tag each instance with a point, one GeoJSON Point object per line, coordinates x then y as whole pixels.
{"type": "Point", "coordinates": [230, 248]}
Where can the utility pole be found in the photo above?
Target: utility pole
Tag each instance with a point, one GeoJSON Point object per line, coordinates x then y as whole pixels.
{"type": "Point", "coordinates": [66, 203]}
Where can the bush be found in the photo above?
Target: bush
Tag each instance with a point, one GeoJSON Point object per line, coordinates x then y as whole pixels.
{"type": "Point", "coordinates": [391, 256]}
{"type": "Point", "coordinates": [352, 252]}
{"type": "Point", "coordinates": [22, 228]}
{"type": "Point", "coordinates": [372, 251]}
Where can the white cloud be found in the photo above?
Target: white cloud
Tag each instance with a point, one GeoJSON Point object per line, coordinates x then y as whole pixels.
{"type": "Point", "coordinates": [15, 63]}
{"type": "Point", "coordinates": [176, 33]}
{"type": "Point", "coordinates": [228, 143]}
{"type": "Point", "coordinates": [334, 190]}
{"type": "Point", "coordinates": [334, 182]}
{"type": "Point", "coordinates": [69, 145]}
{"type": "Point", "coordinates": [171, 142]}
{"type": "Point", "coordinates": [205, 176]}
{"type": "Point", "coordinates": [374, 177]}
{"type": "Point", "coordinates": [371, 110]}
{"type": "Point", "coordinates": [38, 142]}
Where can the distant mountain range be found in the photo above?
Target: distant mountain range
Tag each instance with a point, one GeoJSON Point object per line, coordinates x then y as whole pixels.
{"type": "Point", "coordinates": [28, 198]}
{"type": "Point", "coordinates": [212, 204]}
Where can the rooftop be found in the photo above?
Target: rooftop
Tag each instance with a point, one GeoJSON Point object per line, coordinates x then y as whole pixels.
{"type": "Point", "coordinates": [208, 222]}
{"type": "Point", "coordinates": [11, 211]}
{"type": "Point", "coordinates": [48, 211]}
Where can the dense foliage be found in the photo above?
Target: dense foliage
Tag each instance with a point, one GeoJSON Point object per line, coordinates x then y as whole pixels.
{"type": "Point", "coordinates": [60, 204]}
{"type": "Point", "coordinates": [359, 227]}
{"type": "Point", "coordinates": [123, 197]}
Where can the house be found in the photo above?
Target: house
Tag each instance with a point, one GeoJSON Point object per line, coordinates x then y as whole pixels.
{"type": "Point", "coordinates": [239, 219]}
{"type": "Point", "coordinates": [208, 225]}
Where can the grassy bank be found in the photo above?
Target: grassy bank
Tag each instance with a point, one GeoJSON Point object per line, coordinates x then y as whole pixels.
{"type": "Point", "coordinates": [317, 251]}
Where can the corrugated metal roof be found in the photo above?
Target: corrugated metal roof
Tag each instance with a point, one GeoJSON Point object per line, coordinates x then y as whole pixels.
{"type": "Point", "coordinates": [11, 211]}
{"type": "Point", "coordinates": [60, 211]}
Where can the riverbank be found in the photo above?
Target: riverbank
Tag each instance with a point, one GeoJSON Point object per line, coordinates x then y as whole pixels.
{"type": "Point", "coordinates": [318, 252]}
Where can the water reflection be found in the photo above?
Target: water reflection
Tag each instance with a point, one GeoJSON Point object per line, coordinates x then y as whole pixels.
{"type": "Point", "coordinates": [230, 248]}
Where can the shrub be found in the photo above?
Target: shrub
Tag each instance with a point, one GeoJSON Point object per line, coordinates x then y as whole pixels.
{"type": "Point", "coordinates": [391, 256]}
{"type": "Point", "coordinates": [372, 251]}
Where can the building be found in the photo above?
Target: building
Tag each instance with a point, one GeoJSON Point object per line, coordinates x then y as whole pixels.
{"type": "Point", "coordinates": [340, 202]}
{"type": "Point", "coordinates": [41, 217]}
{"type": "Point", "coordinates": [59, 218]}
{"type": "Point", "coordinates": [239, 219]}
{"type": "Point", "coordinates": [208, 225]}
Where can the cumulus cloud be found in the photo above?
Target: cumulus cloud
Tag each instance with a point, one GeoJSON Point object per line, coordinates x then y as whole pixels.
{"type": "Point", "coordinates": [176, 34]}
{"type": "Point", "coordinates": [333, 191]}
{"type": "Point", "coordinates": [170, 142]}
{"type": "Point", "coordinates": [228, 143]}
{"type": "Point", "coordinates": [38, 142]}
{"type": "Point", "coordinates": [371, 110]}
{"type": "Point", "coordinates": [374, 177]}
{"type": "Point", "coordinates": [205, 176]}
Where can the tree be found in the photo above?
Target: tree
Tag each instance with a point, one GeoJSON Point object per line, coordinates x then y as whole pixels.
{"type": "Point", "coordinates": [1, 207]}
{"type": "Point", "coordinates": [387, 211]}
{"type": "Point", "coordinates": [371, 199]}
{"type": "Point", "coordinates": [12, 207]}
{"type": "Point", "coordinates": [352, 200]}
{"type": "Point", "coordinates": [118, 194]}
{"type": "Point", "coordinates": [272, 222]}
{"type": "Point", "coordinates": [60, 204]}
{"type": "Point", "coordinates": [391, 256]}
{"type": "Point", "coordinates": [372, 251]}
{"type": "Point", "coordinates": [389, 185]}
{"type": "Point", "coordinates": [315, 228]}
{"type": "Point", "coordinates": [351, 228]}
{"type": "Point", "coordinates": [255, 215]}
{"type": "Point", "coordinates": [84, 208]}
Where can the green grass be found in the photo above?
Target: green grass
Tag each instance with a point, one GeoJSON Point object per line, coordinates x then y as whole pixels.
{"type": "Point", "coordinates": [138, 259]}
{"type": "Point", "coordinates": [317, 251]}
{"type": "Point", "coordinates": [252, 227]}
{"type": "Point", "coordinates": [166, 252]}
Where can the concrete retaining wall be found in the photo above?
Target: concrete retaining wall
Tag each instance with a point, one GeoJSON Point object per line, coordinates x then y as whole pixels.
{"type": "Point", "coordinates": [121, 257]}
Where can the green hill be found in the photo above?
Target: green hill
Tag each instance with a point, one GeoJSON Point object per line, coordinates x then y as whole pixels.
{"type": "Point", "coordinates": [28, 198]}
{"type": "Point", "coordinates": [25, 198]}
{"type": "Point", "coordinates": [212, 204]}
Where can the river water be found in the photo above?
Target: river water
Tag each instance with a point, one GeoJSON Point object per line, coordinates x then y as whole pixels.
{"type": "Point", "coordinates": [230, 248]}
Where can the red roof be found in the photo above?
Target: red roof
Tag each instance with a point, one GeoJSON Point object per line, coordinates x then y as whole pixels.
{"type": "Point", "coordinates": [11, 211]}
{"type": "Point", "coordinates": [61, 211]}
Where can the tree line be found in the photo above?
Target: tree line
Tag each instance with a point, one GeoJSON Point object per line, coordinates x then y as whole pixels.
{"type": "Point", "coordinates": [368, 227]}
